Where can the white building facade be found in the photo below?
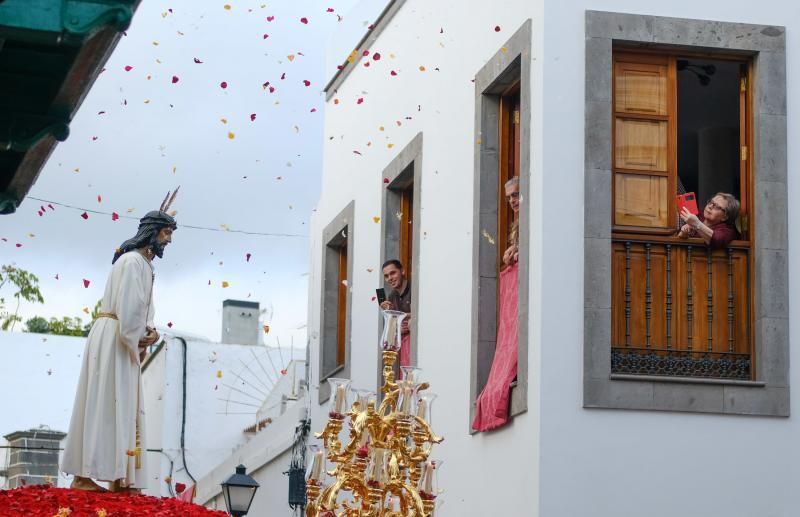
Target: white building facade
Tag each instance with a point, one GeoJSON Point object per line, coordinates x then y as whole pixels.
{"type": "Point", "coordinates": [654, 376]}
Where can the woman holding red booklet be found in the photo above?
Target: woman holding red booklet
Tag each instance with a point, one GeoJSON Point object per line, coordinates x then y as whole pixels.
{"type": "Point", "coordinates": [716, 224]}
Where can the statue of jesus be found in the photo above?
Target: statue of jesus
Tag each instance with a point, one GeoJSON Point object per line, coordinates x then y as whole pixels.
{"type": "Point", "coordinates": [106, 434]}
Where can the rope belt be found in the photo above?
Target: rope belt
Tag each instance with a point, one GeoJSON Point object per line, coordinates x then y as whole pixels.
{"type": "Point", "coordinates": [107, 315]}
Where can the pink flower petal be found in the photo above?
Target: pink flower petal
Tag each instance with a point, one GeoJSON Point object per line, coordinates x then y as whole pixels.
{"type": "Point", "coordinates": [128, 68]}
{"type": "Point", "coordinates": [329, 10]}
{"type": "Point", "coordinates": [197, 61]}
{"type": "Point", "coordinates": [306, 82]}
{"type": "Point", "coordinates": [270, 18]}
{"type": "Point", "coordinates": [86, 283]}
{"type": "Point", "coordinates": [497, 28]}
{"type": "Point", "coordinates": [247, 256]}
{"type": "Point", "coordinates": [252, 117]}
{"type": "Point", "coordinates": [265, 36]}
{"type": "Point", "coordinates": [175, 79]}
{"type": "Point", "coordinates": [114, 216]}
{"type": "Point", "coordinates": [304, 20]}
{"type": "Point", "coordinates": [223, 85]}
{"type": "Point", "coordinates": [392, 73]}
{"type": "Point", "coordinates": [85, 215]}
{"type": "Point", "coordinates": [376, 56]}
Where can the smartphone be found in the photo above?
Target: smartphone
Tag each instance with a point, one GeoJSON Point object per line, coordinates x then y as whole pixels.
{"type": "Point", "coordinates": [688, 201]}
{"type": "Point", "coordinates": [381, 294]}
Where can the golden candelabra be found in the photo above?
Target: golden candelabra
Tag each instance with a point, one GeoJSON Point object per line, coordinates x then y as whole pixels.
{"type": "Point", "coordinates": [384, 470]}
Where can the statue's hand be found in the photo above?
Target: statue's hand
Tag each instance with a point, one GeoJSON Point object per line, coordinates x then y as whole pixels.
{"type": "Point", "coordinates": [150, 337]}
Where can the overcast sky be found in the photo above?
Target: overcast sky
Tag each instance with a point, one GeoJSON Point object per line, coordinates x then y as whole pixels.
{"type": "Point", "coordinates": [158, 118]}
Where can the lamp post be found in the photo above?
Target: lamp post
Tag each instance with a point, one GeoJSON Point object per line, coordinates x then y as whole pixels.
{"type": "Point", "coordinates": [239, 490]}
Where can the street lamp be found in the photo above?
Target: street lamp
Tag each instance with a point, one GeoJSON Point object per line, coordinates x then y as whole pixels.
{"type": "Point", "coordinates": [239, 490]}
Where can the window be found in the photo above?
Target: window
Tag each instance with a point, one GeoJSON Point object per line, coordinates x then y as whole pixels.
{"type": "Point", "coordinates": [400, 224]}
{"type": "Point", "coordinates": [670, 325]}
{"type": "Point", "coordinates": [502, 93]}
{"type": "Point", "coordinates": [337, 270]}
{"type": "Point", "coordinates": [680, 124]}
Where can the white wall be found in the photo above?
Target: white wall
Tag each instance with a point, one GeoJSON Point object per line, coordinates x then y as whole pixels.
{"type": "Point", "coordinates": [214, 425]}
{"type": "Point", "coordinates": [458, 38]}
{"type": "Point", "coordinates": [626, 463]}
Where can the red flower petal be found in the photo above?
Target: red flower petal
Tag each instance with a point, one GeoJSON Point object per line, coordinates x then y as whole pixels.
{"type": "Point", "coordinates": [85, 215]}
{"type": "Point", "coordinates": [306, 82]}
{"type": "Point", "coordinates": [497, 28]}
{"type": "Point", "coordinates": [179, 488]}
{"type": "Point", "coordinates": [329, 10]}
{"type": "Point", "coordinates": [86, 283]}
{"type": "Point", "coordinates": [304, 20]}
{"type": "Point", "coordinates": [51, 207]}
{"type": "Point", "coordinates": [386, 180]}
{"type": "Point", "coordinates": [114, 216]}
{"type": "Point", "coordinates": [360, 100]}
{"type": "Point", "coordinates": [248, 257]}
{"type": "Point", "coordinates": [94, 138]}
{"type": "Point", "coordinates": [313, 110]}
{"type": "Point", "coordinates": [99, 198]}
{"type": "Point", "coordinates": [169, 324]}
{"type": "Point", "coordinates": [365, 53]}
{"type": "Point", "coordinates": [223, 85]}
{"type": "Point", "coordinates": [270, 18]}
{"type": "Point", "coordinates": [197, 61]}
{"type": "Point", "coordinates": [393, 73]}
{"type": "Point", "coordinates": [376, 56]}
{"type": "Point", "coordinates": [40, 213]}
{"type": "Point", "coordinates": [128, 68]}
{"type": "Point", "coordinates": [265, 36]}
{"type": "Point", "coordinates": [175, 79]}
{"type": "Point", "coordinates": [252, 117]}
{"type": "Point", "coordinates": [19, 245]}
{"type": "Point", "coordinates": [283, 76]}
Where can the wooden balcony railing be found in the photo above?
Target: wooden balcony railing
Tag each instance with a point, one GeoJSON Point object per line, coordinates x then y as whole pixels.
{"type": "Point", "coordinates": [680, 309]}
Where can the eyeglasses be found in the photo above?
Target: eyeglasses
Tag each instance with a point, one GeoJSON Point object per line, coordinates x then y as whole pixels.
{"type": "Point", "coordinates": [712, 204]}
{"type": "Point", "coordinates": [513, 195]}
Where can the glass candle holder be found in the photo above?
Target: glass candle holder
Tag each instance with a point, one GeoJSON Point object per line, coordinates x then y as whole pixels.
{"type": "Point", "coordinates": [378, 470]}
{"type": "Point", "coordinates": [429, 482]}
{"type": "Point", "coordinates": [411, 374]}
{"type": "Point", "coordinates": [316, 463]}
{"type": "Point", "coordinates": [407, 398]}
{"type": "Point", "coordinates": [424, 405]}
{"type": "Point", "coordinates": [340, 393]}
{"type": "Point", "coordinates": [390, 337]}
{"type": "Point", "coordinates": [362, 398]}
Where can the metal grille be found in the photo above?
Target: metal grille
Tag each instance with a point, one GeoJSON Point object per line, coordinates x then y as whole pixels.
{"type": "Point", "coordinates": [675, 363]}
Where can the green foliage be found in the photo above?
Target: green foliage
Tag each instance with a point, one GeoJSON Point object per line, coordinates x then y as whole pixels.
{"type": "Point", "coordinates": [67, 326]}
{"type": "Point", "coordinates": [37, 325]}
{"type": "Point", "coordinates": [27, 288]}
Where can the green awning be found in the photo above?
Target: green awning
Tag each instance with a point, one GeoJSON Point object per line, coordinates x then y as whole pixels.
{"type": "Point", "coordinates": [51, 52]}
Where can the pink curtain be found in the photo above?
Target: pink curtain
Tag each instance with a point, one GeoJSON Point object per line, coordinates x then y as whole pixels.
{"type": "Point", "coordinates": [405, 351]}
{"type": "Point", "coordinates": [491, 409]}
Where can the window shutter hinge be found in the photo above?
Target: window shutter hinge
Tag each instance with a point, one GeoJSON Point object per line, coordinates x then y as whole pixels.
{"type": "Point", "coordinates": [744, 153]}
{"type": "Point", "coordinates": [516, 116]}
{"type": "Point", "coordinates": [743, 84]}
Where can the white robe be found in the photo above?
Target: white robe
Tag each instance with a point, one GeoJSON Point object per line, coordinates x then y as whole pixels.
{"type": "Point", "coordinates": [109, 403]}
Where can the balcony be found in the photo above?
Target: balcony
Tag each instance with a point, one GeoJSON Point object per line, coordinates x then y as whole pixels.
{"type": "Point", "coordinates": [679, 309]}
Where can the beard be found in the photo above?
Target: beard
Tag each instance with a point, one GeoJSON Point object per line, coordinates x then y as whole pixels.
{"type": "Point", "coordinates": [157, 247]}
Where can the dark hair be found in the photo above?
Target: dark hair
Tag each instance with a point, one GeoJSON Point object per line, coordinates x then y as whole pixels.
{"type": "Point", "coordinates": [392, 262]}
{"type": "Point", "coordinates": [149, 227]}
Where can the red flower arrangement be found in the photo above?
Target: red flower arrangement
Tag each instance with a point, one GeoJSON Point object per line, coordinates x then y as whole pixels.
{"type": "Point", "coordinates": [46, 501]}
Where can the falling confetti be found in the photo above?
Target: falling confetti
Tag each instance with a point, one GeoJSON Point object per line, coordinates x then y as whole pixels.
{"type": "Point", "coordinates": [376, 56]}
{"type": "Point", "coordinates": [227, 7]}
{"type": "Point", "coordinates": [86, 310]}
{"type": "Point", "coordinates": [266, 329]}
{"type": "Point", "coordinates": [198, 61]}
{"type": "Point", "coordinates": [225, 284]}
{"type": "Point", "coordinates": [223, 84]}
{"type": "Point", "coordinates": [231, 135]}
{"type": "Point", "coordinates": [175, 79]}
{"type": "Point", "coordinates": [487, 236]}
{"type": "Point", "coordinates": [270, 18]}
{"type": "Point", "coordinates": [169, 324]}
{"type": "Point", "coordinates": [252, 117]}
{"type": "Point", "coordinates": [85, 215]}
{"type": "Point", "coordinates": [219, 374]}
{"type": "Point", "coordinates": [247, 257]}
{"type": "Point", "coordinates": [128, 68]}
{"type": "Point", "coordinates": [114, 216]}
{"type": "Point", "coordinates": [306, 82]}
{"type": "Point", "coordinates": [86, 283]}
{"type": "Point", "coordinates": [99, 199]}
{"type": "Point", "coordinates": [376, 219]}
{"type": "Point", "coordinates": [304, 20]}
{"type": "Point", "coordinates": [497, 28]}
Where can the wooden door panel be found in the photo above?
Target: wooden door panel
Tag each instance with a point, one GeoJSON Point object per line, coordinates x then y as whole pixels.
{"type": "Point", "coordinates": [641, 145]}
{"type": "Point", "coordinates": [641, 88]}
{"type": "Point", "coordinates": [640, 200]}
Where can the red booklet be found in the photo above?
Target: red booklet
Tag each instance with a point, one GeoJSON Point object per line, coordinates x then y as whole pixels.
{"type": "Point", "coordinates": [688, 201]}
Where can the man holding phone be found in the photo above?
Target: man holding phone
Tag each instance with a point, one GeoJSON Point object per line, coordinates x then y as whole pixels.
{"type": "Point", "coordinates": [399, 299]}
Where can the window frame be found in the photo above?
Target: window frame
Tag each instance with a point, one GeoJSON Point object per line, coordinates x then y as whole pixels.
{"type": "Point", "coordinates": [404, 172]}
{"type": "Point", "coordinates": [768, 394]}
{"type": "Point", "coordinates": [330, 296]}
{"type": "Point", "coordinates": [510, 64]}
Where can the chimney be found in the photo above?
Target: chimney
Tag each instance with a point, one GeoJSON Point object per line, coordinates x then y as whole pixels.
{"type": "Point", "coordinates": [240, 322]}
{"type": "Point", "coordinates": [33, 458]}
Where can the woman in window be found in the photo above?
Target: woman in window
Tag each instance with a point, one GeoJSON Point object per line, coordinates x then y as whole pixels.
{"type": "Point", "coordinates": [716, 224]}
{"type": "Point", "coordinates": [491, 408]}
